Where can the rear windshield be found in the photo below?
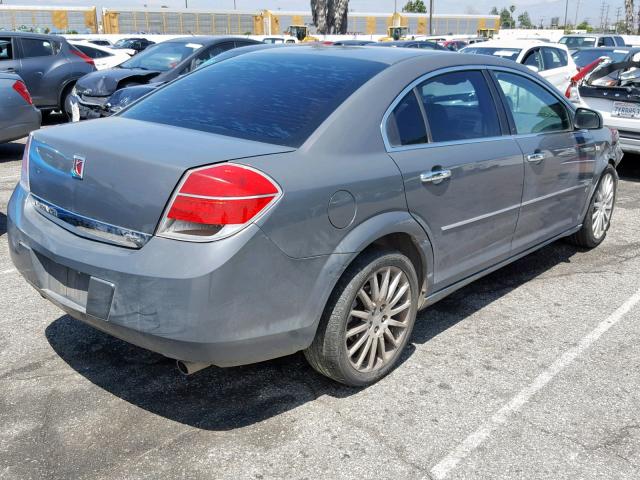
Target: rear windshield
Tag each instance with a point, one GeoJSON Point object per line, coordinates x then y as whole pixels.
{"type": "Point", "coordinates": [508, 53]}
{"type": "Point", "coordinates": [577, 42]}
{"type": "Point", "coordinates": [278, 98]}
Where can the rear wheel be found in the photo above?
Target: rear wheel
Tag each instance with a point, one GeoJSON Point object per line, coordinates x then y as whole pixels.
{"type": "Point", "coordinates": [598, 218]}
{"type": "Point", "coordinates": [368, 320]}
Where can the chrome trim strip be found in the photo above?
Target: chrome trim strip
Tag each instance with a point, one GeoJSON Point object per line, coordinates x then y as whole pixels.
{"type": "Point", "coordinates": [207, 197]}
{"type": "Point", "coordinates": [512, 207]}
{"type": "Point", "coordinates": [550, 195]}
{"type": "Point", "coordinates": [88, 227]}
{"type": "Point", "coordinates": [479, 218]}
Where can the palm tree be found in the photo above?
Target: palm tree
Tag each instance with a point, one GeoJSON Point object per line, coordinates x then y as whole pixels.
{"type": "Point", "coordinates": [628, 13]}
{"type": "Point", "coordinates": [330, 16]}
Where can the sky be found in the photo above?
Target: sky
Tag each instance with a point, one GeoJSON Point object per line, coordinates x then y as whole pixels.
{"type": "Point", "coordinates": [537, 9]}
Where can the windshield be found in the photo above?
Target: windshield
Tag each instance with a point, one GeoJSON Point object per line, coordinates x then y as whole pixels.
{"type": "Point", "coordinates": [508, 53]}
{"type": "Point", "coordinates": [162, 57]}
{"type": "Point", "coordinates": [577, 42]}
{"type": "Point", "coordinates": [258, 96]}
{"type": "Point", "coordinates": [585, 57]}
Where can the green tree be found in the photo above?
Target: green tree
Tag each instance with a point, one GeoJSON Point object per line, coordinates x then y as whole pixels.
{"type": "Point", "coordinates": [524, 20]}
{"type": "Point", "coordinates": [415, 6]}
{"type": "Point", "coordinates": [494, 11]}
{"type": "Point", "coordinates": [506, 19]}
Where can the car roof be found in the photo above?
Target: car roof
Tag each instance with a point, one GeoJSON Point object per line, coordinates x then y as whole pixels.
{"type": "Point", "coordinates": [517, 44]}
{"type": "Point", "coordinates": [30, 34]}
{"type": "Point", "coordinates": [207, 39]}
{"type": "Point", "coordinates": [387, 56]}
{"type": "Point", "coordinates": [591, 35]}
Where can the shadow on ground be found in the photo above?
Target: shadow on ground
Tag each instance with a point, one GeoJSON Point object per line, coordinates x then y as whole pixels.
{"type": "Point", "coordinates": [629, 168]}
{"type": "Point", "coordinates": [3, 224]}
{"type": "Point", "coordinates": [223, 399]}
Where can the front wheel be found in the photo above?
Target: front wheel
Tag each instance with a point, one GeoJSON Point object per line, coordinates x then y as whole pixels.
{"type": "Point", "coordinates": [598, 218]}
{"type": "Point", "coordinates": [368, 320]}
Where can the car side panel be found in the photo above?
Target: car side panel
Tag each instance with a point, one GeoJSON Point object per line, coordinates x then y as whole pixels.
{"type": "Point", "coordinates": [17, 117]}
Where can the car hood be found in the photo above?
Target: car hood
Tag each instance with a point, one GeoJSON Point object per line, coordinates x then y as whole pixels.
{"type": "Point", "coordinates": [105, 82]}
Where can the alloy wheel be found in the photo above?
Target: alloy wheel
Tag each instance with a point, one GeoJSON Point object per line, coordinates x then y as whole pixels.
{"type": "Point", "coordinates": [603, 206]}
{"type": "Point", "coordinates": [378, 320]}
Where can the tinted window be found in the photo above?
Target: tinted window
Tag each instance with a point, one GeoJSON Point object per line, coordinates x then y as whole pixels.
{"type": "Point", "coordinates": [92, 52]}
{"type": "Point", "coordinates": [533, 59]}
{"type": "Point", "coordinates": [32, 47]}
{"type": "Point", "coordinates": [210, 52]}
{"type": "Point", "coordinates": [577, 42]}
{"type": "Point", "coordinates": [508, 53]}
{"type": "Point", "coordinates": [278, 98]}
{"type": "Point", "coordinates": [607, 42]}
{"type": "Point", "coordinates": [6, 50]}
{"type": "Point", "coordinates": [585, 57]}
{"type": "Point", "coordinates": [406, 124]}
{"type": "Point", "coordinates": [459, 106]}
{"type": "Point", "coordinates": [163, 57]}
{"type": "Point", "coordinates": [553, 58]}
{"type": "Point", "coordinates": [533, 107]}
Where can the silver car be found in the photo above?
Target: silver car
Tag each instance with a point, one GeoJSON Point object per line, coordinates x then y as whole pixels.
{"type": "Point", "coordinates": [311, 198]}
{"type": "Point", "coordinates": [18, 116]}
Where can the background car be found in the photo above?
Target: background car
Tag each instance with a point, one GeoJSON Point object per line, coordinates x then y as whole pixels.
{"type": "Point", "coordinates": [47, 64]}
{"type": "Point", "coordinates": [613, 90]}
{"type": "Point", "coordinates": [135, 44]}
{"type": "Point", "coordinates": [160, 63]}
{"type": "Point", "coordinates": [584, 56]}
{"type": "Point", "coordinates": [591, 40]}
{"type": "Point", "coordinates": [18, 116]}
{"type": "Point", "coordinates": [550, 60]}
{"type": "Point", "coordinates": [353, 43]}
{"type": "Point", "coordinates": [103, 57]}
{"type": "Point", "coordinates": [425, 44]}
{"type": "Point", "coordinates": [233, 216]}
{"type": "Point", "coordinates": [453, 45]}
{"type": "Point", "coordinates": [126, 96]}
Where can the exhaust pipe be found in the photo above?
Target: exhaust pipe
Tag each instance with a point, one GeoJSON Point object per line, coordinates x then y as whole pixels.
{"type": "Point", "coordinates": [187, 368]}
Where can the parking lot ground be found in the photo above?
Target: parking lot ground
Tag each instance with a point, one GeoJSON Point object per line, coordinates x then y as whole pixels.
{"type": "Point", "coordinates": [531, 372]}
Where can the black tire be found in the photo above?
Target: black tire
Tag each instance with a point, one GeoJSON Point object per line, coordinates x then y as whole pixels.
{"type": "Point", "coordinates": [63, 101]}
{"type": "Point", "coordinates": [328, 353]}
{"type": "Point", "coordinates": [586, 237]}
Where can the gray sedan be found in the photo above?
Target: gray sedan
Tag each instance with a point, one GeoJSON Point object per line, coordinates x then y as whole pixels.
{"type": "Point", "coordinates": [18, 116]}
{"type": "Point", "coordinates": [310, 198]}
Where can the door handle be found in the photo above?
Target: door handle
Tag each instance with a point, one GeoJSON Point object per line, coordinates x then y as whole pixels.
{"type": "Point", "coordinates": [8, 69]}
{"type": "Point", "coordinates": [535, 157]}
{"type": "Point", "coordinates": [435, 177]}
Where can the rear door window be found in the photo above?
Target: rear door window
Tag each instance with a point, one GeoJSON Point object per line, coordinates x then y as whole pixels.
{"type": "Point", "coordinates": [534, 109]}
{"type": "Point", "coordinates": [533, 59]}
{"type": "Point", "coordinates": [405, 125]}
{"type": "Point", "coordinates": [34, 47]}
{"type": "Point", "coordinates": [278, 98]}
{"type": "Point", "coordinates": [459, 106]}
{"type": "Point", "coordinates": [552, 58]}
{"type": "Point", "coordinates": [92, 52]}
{"type": "Point", "coordinates": [6, 49]}
{"type": "Point", "coordinates": [606, 42]}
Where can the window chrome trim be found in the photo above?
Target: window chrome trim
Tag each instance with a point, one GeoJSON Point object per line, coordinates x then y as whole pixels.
{"type": "Point", "coordinates": [88, 227]}
{"type": "Point", "coordinates": [400, 148]}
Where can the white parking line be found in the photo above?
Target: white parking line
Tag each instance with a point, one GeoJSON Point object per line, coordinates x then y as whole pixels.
{"type": "Point", "coordinates": [10, 178]}
{"type": "Point", "coordinates": [11, 270]}
{"type": "Point", "coordinates": [473, 441]}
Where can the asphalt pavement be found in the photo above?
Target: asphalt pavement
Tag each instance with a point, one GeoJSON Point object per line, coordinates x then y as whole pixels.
{"type": "Point", "coordinates": [532, 372]}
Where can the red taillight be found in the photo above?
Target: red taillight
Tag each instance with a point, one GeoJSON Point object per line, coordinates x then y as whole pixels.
{"type": "Point", "coordinates": [83, 56]}
{"type": "Point", "coordinates": [215, 202]}
{"type": "Point", "coordinates": [21, 88]}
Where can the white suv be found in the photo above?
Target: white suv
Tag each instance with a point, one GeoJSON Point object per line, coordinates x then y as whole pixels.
{"type": "Point", "coordinates": [551, 60]}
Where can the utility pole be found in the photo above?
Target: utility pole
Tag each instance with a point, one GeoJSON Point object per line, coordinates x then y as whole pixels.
{"type": "Point", "coordinates": [602, 7]}
{"type": "Point", "coordinates": [566, 12]}
{"type": "Point", "coordinates": [577, 9]}
{"type": "Point", "coordinates": [430, 17]}
{"type": "Point", "coordinates": [618, 11]}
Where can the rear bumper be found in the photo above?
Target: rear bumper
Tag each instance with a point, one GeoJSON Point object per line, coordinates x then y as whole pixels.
{"type": "Point", "coordinates": [231, 302]}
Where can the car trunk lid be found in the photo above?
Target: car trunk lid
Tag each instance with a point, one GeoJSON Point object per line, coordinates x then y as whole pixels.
{"type": "Point", "coordinates": [129, 167]}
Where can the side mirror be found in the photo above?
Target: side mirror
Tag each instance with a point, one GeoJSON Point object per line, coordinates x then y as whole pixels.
{"type": "Point", "coordinates": [533, 68]}
{"type": "Point", "coordinates": [586, 119]}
